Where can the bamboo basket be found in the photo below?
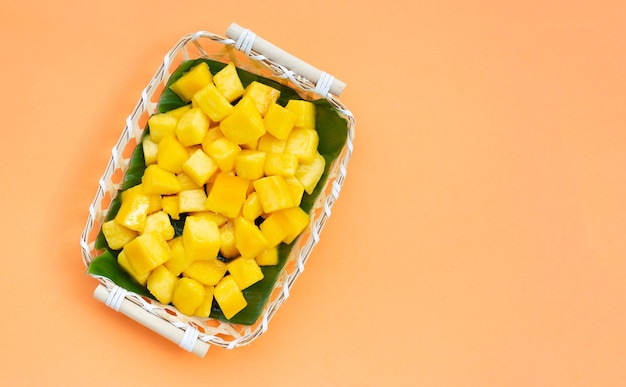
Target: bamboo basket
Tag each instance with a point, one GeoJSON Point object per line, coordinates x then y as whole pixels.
{"type": "Point", "coordinates": [251, 53]}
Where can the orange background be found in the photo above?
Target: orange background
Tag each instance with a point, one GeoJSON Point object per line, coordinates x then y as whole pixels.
{"type": "Point", "coordinates": [478, 239]}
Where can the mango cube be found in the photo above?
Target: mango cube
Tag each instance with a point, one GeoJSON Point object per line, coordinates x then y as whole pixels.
{"type": "Point", "coordinates": [296, 188]}
{"type": "Point", "coordinates": [270, 144]}
{"type": "Point", "coordinates": [161, 283]}
{"type": "Point", "coordinates": [208, 272]}
{"type": "Point", "coordinates": [304, 112]}
{"type": "Point", "coordinates": [274, 193]}
{"type": "Point", "coordinates": [227, 195]}
{"type": "Point", "coordinates": [133, 210]}
{"type": "Point", "coordinates": [279, 121]}
{"type": "Point", "coordinates": [212, 103]}
{"type": "Point", "coordinates": [192, 127]}
{"type": "Point", "coordinates": [303, 142]}
{"type": "Point", "coordinates": [249, 239]}
{"type": "Point", "coordinates": [299, 221]}
{"type": "Point", "coordinates": [204, 310]}
{"type": "Point", "coordinates": [171, 206]}
{"type": "Point", "coordinates": [146, 252]}
{"type": "Point", "coordinates": [188, 295]}
{"type": "Point", "coordinates": [178, 112]}
{"type": "Point", "coordinates": [275, 228]}
{"type": "Point", "coordinates": [244, 125]}
{"type": "Point", "coordinates": [158, 181]}
{"type": "Point", "coordinates": [201, 238]}
{"type": "Point", "coordinates": [192, 81]}
{"type": "Point", "coordinates": [191, 200]}
{"type": "Point", "coordinates": [200, 167]}
{"type": "Point", "coordinates": [249, 164]}
{"type": "Point", "coordinates": [159, 222]}
{"type": "Point", "coordinates": [179, 261]}
{"type": "Point", "coordinates": [161, 125]}
{"type": "Point", "coordinates": [141, 278]}
{"type": "Point", "coordinates": [268, 257]}
{"type": "Point", "coordinates": [212, 134]}
{"type": "Point", "coordinates": [283, 164]}
{"type": "Point", "coordinates": [229, 297]}
{"type": "Point", "coordinates": [252, 208]}
{"type": "Point", "coordinates": [117, 235]}
{"type": "Point", "coordinates": [245, 271]}
{"type": "Point", "coordinates": [172, 154]}
{"type": "Point", "coordinates": [227, 248]}
{"type": "Point", "coordinates": [228, 83]}
{"type": "Point", "coordinates": [150, 150]}
{"type": "Point", "coordinates": [186, 182]}
{"type": "Point", "coordinates": [223, 151]}
{"type": "Point", "coordinates": [219, 219]}
{"type": "Point", "coordinates": [262, 95]}
{"type": "Point", "coordinates": [309, 174]}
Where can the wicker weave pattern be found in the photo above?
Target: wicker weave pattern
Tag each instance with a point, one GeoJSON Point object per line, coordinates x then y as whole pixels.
{"type": "Point", "coordinates": [203, 44]}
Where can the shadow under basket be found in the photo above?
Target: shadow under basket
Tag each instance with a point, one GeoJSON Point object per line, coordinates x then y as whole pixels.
{"type": "Point", "coordinates": [257, 56]}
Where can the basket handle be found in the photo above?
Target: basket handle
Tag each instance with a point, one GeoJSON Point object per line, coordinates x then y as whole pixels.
{"type": "Point", "coordinates": [153, 322]}
{"type": "Point", "coordinates": [278, 55]}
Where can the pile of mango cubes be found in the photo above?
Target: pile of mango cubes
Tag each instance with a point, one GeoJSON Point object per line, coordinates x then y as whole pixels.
{"type": "Point", "coordinates": [235, 164]}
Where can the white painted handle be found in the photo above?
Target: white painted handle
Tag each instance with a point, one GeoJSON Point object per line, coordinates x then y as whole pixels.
{"type": "Point", "coordinates": [282, 57]}
{"type": "Point", "coordinates": [149, 320]}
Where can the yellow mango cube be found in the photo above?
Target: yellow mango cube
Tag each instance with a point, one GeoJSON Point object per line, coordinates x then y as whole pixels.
{"type": "Point", "coordinates": [208, 272]}
{"type": "Point", "coordinates": [296, 188]}
{"type": "Point", "coordinates": [117, 235]}
{"type": "Point", "coordinates": [262, 95]}
{"type": "Point", "coordinates": [283, 164]}
{"type": "Point", "coordinates": [201, 238]}
{"type": "Point", "coordinates": [244, 125]}
{"type": "Point", "coordinates": [158, 181]}
{"type": "Point", "coordinates": [274, 193]}
{"type": "Point", "coordinates": [227, 195]}
{"type": "Point", "coordinates": [229, 297]}
{"type": "Point", "coordinates": [161, 125]}
{"type": "Point", "coordinates": [252, 208]}
{"type": "Point", "coordinates": [192, 81]}
{"type": "Point", "coordinates": [141, 278]}
{"type": "Point", "coordinates": [279, 121]}
{"type": "Point", "coordinates": [245, 271]}
{"type": "Point", "coordinates": [268, 257]}
{"type": "Point", "coordinates": [150, 150]}
{"type": "Point", "coordinates": [172, 154]}
{"type": "Point", "coordinates": [249, 239]}
{"type": "Point", "coordinates": [154, 200]}
{"type": "Point", "coordinates": [204, 310]}
{"type": "Point", "coordinates": [186, 182]}
{"type": "Point", "coordinates": [159, 222]}
{"type": "Point", "coordinates": [134, 209]}
{"type": "Point", "coordinates": [270, 144]}
{"type": "Point", "coordinates": [200, 167]}
{"type": "Point", "coordinates": [179, 261]}
{"type": "Point", "coordinates": [249, 164]}
{"type": "Point", "coordinates": [309, 174]}
{"type": "Point", "coordinates": [227, 248]}
{"type": "Point", "coordinates": [192, 127]}
{"type": "Point", "coordinates": [178, 112]}
{"type": "Point", "coordinates": [219, 219]}
{"type": "Point", "coordinates": [223, 151]}
{"type": "Point", "coordinates": [304, 112]}
{"type": "Point", "coordinates": [146, 252]}
{"type": "Point", "coordinates": [212, 103]}
{"type": "Point", "coordinates": [188, 295]}
{"type": "Point", "coordinates": [228, 83]}
{"type": "Point", "coordinates": [161, 283]}
{"type": "Point", "coordinates": [303, 142]}
{"type": "Point", "coordinates": [275, 228]}
{"type": "Point", "coordinates": [212, 134]}
{"type": "Point", "coordinates": [299, 221]}
{"type": "Point", "coordinates": [171, 206]}
{"type": "Point", "coordinates": [191, 200]}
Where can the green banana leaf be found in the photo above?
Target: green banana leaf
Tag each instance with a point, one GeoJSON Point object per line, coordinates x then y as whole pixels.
{"type": "Point", "coordinates": [332, 130]}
